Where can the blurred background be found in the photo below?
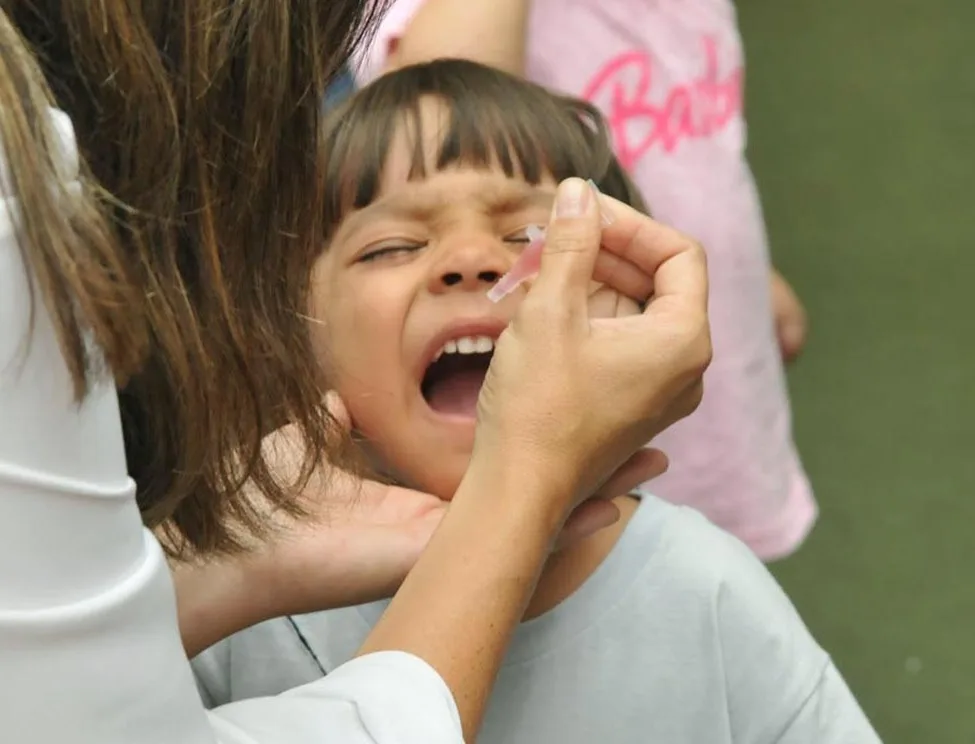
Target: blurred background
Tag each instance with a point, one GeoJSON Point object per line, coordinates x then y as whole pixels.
{"type": "Point", "coordinates": [862, 138]}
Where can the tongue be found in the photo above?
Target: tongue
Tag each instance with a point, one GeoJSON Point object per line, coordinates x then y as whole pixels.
{"type": "Point", "coordinates": [456, 394]}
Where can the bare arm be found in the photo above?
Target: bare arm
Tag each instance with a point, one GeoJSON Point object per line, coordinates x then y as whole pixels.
{"type": "Point", "coordinates": [360, 542]}
{"type": "Point", "coordinates": [474, 580]}
{"type": "Point", "coordinates": [492, 32]}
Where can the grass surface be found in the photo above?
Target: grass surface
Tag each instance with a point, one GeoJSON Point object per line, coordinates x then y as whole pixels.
{"type": "Point", "coordinates": [862, 132]}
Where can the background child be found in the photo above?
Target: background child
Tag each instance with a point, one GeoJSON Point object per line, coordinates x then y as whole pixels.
{"type": "Point", "coordinates": [662, 628]}
{"type": "Point", "coordinates": [668, 75]}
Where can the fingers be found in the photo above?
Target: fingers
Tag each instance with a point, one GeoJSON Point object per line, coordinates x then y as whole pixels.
{"type": "Point", "coordinates": [587, 519]}
{"type": "Point", "coordinates": [641, 256]}
{"type": "Point", "coordinates": [285, 445]}
{"type": "Point", "coordinates": [571, 247]}
{"type": "Point", "coordinates": [650, 246]}
{"type": "Point", "coordinates": [623, 276]}
{"type": "Point", "coordinates": [598, 512]}
{"type": "Point", "coordinates": [382, 504]}
{"type": "Point", "coordinates": [682, 276]}
{"type": "Point", "coordinates": [645, 464]}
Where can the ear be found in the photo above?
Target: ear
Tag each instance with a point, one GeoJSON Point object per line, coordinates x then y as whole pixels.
{"type": "Point", "coordinates": [392, 54]}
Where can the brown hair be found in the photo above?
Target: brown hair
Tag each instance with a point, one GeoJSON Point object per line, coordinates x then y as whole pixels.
{"type": "Point", "coordinates": [202, 117]}
{"type": "Point", "coordinates": [492, 118]}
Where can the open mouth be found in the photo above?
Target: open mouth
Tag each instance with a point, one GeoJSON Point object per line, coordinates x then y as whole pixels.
{"type": "Point", "coordinates": [453, 380]}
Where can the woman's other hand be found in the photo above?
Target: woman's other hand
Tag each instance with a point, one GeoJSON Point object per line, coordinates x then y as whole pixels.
{"type": "Point", "coordinates": [356, 544]}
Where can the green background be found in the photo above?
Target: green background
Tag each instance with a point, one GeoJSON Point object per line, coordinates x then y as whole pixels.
{"type": "Point", "coordinates": [862, 137]}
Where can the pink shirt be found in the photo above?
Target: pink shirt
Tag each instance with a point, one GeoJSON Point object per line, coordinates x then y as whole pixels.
{"type": "Point", "coordinates": [668, 75]}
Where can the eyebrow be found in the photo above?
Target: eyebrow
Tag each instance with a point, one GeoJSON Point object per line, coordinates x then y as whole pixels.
{"type": "Point", "coordinates": [503, 202]}
{"type": "Point", "coordinates": [534, 197]}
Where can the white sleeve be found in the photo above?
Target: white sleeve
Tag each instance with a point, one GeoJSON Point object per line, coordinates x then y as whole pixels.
{"type": "Point", "coordinates": [370, 61]}
{"type": "Point", "coordinates": [383, 697]}
{"type": "Point", "coordinates": [90, 651]}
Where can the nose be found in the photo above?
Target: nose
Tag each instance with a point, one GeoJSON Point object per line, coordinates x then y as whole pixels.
{"type": "Point", "coordinates": [471, 263]}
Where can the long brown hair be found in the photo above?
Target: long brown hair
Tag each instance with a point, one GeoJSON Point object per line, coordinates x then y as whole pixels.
{"type": "Point", "coordinates": [202, 118]}
{"type": "Point", "coordinates": [492, 117]}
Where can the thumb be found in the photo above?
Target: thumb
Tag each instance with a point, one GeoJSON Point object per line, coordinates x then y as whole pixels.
{"type": "Point", "coordinates": [571, 247]}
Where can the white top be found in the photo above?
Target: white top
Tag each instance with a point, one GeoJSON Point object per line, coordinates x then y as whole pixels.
{"type": "Point", "coordinates": [90, 651]}
{"type": "Point", "coordinates": [680, 636]}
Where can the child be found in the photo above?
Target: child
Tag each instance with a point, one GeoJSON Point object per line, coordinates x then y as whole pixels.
{"type": "Point", "coordinates": [668, 76]}
{"type": "Point", "coordinates": [659, 629]}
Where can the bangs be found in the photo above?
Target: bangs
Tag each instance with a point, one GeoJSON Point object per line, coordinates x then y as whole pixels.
{"type": "Point", "coordinates": [486, 119]}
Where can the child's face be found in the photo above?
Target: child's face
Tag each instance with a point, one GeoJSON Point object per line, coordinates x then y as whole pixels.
{"type": "Point", "coordinates": [406, 329]}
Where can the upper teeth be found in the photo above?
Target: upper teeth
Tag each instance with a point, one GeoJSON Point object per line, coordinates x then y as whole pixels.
{"type": "Point", "coordinates": [467, 345]}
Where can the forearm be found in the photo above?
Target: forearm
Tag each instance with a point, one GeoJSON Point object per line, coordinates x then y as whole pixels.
{"type": "Point", "coordinates": [215, 600]}
{"type": "Point", "coordinates": [492, 32]}
{"type": "Point", "coordinates": [223, 596]}
{"type": "Point", "coordinates": [461, 603]}
{"type": "Point", "coordinates": [303, 568]}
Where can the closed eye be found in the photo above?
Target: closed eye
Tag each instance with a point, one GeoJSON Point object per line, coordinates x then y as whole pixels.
{"type": "Point", "coordinates": [389, 250]}
{"type": "Point", "coordinates": [520, 236]}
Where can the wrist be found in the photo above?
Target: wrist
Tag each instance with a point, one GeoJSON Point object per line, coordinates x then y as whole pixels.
{"type": "Point", "coordinates": [520, 484]}
{"type": "Point", "coordinates": [459, 606]}
{"type": "Point", "coordinates": [218, 597]}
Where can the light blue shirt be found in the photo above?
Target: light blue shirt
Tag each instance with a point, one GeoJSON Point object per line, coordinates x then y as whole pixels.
{"type": "Point", "coordinates": [681, 636]}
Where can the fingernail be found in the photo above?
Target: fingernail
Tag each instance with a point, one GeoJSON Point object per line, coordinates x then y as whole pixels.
{"type": "Point", "coordinates": [574, 197]}
{"type": "Point", "coordinates": [605, 216]}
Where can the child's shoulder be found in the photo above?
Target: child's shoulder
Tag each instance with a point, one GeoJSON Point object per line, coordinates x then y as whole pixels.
{"type": "Point", "coordinates": [710, 574]}
{"type": "Point", "coordinates": [706, 570]}
{"type": "Point", "coordinates": [696, 552]}
{"type": "Point", "coordinates": [724, 603]}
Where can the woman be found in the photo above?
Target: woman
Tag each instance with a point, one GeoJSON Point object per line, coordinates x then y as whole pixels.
{"type": "Point", "coordinates": [174, 297]}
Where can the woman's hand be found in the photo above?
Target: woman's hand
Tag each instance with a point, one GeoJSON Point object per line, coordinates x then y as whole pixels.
{"type": "Point", "coordinates": [573, 397]}
{"type": "Point", "coordinates": [360, 541]}
{"type": "Point", "coordinates": [357, 544]}
{"type": "Point", "coordinates": [568, 401]}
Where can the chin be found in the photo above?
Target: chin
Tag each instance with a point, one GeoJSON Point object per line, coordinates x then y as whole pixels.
{"type": "Point", "coordinates": [441, 479]}
{"type": "Point", "coordinates": [443, 483]}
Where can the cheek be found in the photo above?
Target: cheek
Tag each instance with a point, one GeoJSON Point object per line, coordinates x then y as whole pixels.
{"type": "Point", "coordinates": [359, 344]}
